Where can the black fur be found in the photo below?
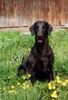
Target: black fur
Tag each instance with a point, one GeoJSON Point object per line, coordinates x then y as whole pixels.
{"type": "Point", "coordinates": [39, 62]}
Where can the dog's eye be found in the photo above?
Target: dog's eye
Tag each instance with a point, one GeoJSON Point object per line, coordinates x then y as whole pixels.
{"type": "Point", "coordinates": [43, 27]}
{"type": "Point", "coordinates": [37, 27]}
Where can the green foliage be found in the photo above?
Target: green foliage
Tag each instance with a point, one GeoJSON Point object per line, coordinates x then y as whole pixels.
{"type": "Point", "coordinates": [14, 47]}
{"type": "Point", "coordinates": [59, 42]}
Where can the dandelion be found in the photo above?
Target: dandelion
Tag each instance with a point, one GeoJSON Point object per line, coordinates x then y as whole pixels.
{"type": "Point", "coordinates": [12, 87]}
{"type": "Point", "coordinates": [23, 77]}
{"type": "Point", "coordinates": [58, 80]}
{"type": "Point", "coordinates": [49, 86]}
{"type": "Point", "coordinates": [64, 83]}
{"type": "Point", "coordinates": [18, 83]}
{"type": "Point", "coordinates": [54, 94]}
{"type": "Point", "coordinates": [54, 87]}
{"type": "Point", "coordinates": [12, 91]}
{"type": "Point", "coordinates": [25, 85]}
{"type": "Point", "coordinates": [29, 75]}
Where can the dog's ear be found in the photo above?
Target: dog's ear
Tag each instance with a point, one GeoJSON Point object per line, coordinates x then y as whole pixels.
{"type": "Point", "coordinates": [32, 29]}
{"type": "Point", "coordinates": [50, 28]}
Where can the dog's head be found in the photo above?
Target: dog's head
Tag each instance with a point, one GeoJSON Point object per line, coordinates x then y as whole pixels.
{"type": "Point", "coordinates": [41, 29]}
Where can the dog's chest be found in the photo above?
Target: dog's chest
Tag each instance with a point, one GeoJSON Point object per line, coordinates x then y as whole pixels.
{"type": "Point", "coordinates": [42, 56]}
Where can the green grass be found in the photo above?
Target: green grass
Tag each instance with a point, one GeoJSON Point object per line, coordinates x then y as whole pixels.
{"type": "Point", "coordinates": [14, 47]}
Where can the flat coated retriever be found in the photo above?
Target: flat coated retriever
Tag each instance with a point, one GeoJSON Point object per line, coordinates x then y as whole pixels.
{"type": "Point", "coordinates": [39, 62]}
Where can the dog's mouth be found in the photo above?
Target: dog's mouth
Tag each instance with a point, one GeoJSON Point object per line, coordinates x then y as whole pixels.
{"type": "Point", "coordinates": [40, 39]}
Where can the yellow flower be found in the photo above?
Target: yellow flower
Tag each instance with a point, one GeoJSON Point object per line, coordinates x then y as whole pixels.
{"type": "Point", "coordinates": [18, 83]}
{"type": "Point", "coordinates": [12, 92]}
{"type": "Point", "coordinates": [25, 83]}
{"type": "Point", "coordinates": [58, 80]}
{"type": "Point", "coordinates": [54, 94]}
{"type": "Point", "coordinates": [12, 87]}
{"type": "Point", "coordinates": [64, 83]}
{"type": "Point", "coordinates": [23, 77]}
{"type": "Point", "coordinates": [57, 77]}
{"type": "Point", "coordinates": [49, 86]}
{"type": "Point", "coordinates": [54, 87]}
{"type": "Point", "coordinates": [29, 75]}
{"type": "Point", "coordinates": [25, 86]}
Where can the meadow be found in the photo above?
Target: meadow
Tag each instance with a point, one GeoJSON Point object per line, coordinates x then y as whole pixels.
{"type": "Point", "coordinates": [14, 47]}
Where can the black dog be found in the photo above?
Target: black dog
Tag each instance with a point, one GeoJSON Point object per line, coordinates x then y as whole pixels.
{"type": "Point", "coordinates": [39, 63]}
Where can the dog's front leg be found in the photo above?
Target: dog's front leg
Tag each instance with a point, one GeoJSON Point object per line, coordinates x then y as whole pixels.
{"type": "Point", "coordinates": [51, 75]}
{"type": "Point", "coordinates": [32, 78]}
{"type": "Point", "coordinates": [32, 72]}
{"type": "Point", "coordinates": [22, 69]}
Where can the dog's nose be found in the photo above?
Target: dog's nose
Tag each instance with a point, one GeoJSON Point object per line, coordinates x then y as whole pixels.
{"type": "Point", "coordinates": [39, 35]}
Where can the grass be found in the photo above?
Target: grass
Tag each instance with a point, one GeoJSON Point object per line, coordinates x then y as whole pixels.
{"type": "Point", "coordinates": [15, 46]}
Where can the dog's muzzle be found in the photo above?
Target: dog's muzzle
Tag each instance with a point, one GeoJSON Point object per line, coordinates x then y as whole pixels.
{"type": "Point", "coordinates": [39, 39]}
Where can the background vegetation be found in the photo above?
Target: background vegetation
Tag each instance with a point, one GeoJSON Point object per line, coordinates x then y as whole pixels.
{"type": "Point", "coordinates": [15, 46]}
